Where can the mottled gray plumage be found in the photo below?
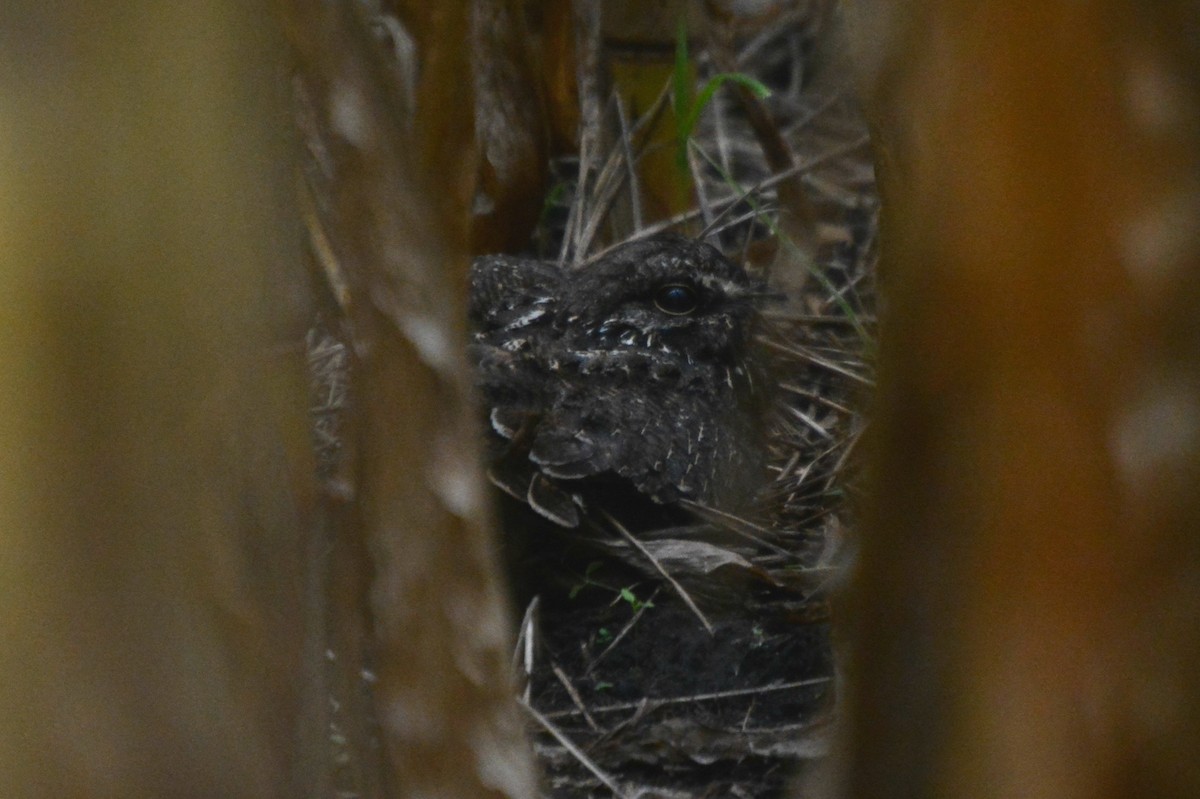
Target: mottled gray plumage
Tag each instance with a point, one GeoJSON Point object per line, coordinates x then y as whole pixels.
{"type": "Point", "coordinates": [630, 371]}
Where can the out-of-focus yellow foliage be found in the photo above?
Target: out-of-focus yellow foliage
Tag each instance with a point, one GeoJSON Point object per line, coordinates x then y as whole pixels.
{"type": "Point", "coordinates": [151, 521]}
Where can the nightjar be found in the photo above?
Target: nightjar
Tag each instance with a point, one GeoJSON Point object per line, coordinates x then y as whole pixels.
{"type": "Point", "coordinates": [625, 384]}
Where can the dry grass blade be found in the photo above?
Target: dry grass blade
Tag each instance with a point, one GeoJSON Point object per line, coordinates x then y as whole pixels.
{"type": "Point", "coordinates": [821, 108]}
{"type": "Point", "coordinates": [607, 188]}
{"type": "Point", "coordinates": [526, 646]}
{"type": "Point", "coordinates": [587, 77]}
{"type": "Point", "coordinates": [573, 692]}
{"type": "Point", "coordinates": [737, 525]}
{"type": "Point", "coordinates": [697, 558]}
{"type": "Point", "coordinates": [322, 248]}
{"type": "Point", "coordinates": [576, 752]}
{"type": "Point", "coordinates": [635, 189]}
{"type": "Point", "coordinates": [702, 204]}
{"type": "Point", "coordinates": [788, 468]}
{"type": "Point", "coordinates": [816, 397]}
{"type": "Point", "coordinates": [774, 180]}
{"type": "Point", "coordinates": [847, 452]}
{"type": "Point", "coordinates": [811, 422]}
{"type": "Point", "coordinates": [809, 357]}
{"type": "Point", "coordinates": [679, 589]}
{"type": "Point", "coordinates": [720, 224]}
{"type": "Point", "coordinates": [814, 320]}
{"type": "Point", "coordinates": [713, 696]}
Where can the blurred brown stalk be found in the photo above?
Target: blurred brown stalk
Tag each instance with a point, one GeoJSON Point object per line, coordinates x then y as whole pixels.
{"type": "Point", "coordinates": [1026, 618]}
{"type": "Point", "coordinates": [416, 599]}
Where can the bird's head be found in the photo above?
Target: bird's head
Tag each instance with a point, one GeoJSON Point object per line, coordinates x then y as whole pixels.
{"type": "Point", "coordinates": [663, 294]}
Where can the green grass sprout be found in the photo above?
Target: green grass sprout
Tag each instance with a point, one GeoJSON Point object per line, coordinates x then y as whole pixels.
{"type": "Point", "coordinates": [689, 105]}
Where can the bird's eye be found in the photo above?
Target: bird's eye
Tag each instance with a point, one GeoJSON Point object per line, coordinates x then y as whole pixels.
{"type": "Point", "coordinates": [676, 299]}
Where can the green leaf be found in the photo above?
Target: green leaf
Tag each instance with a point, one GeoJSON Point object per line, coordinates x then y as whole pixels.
{"type": "Point", "coordinates": [689, 107]}
{"type": "Point", "coordinates": [682, 94]}
{"type": "Point", "coordinates": [710, 88]}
